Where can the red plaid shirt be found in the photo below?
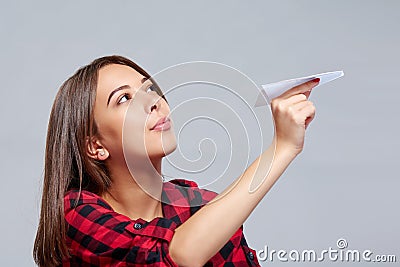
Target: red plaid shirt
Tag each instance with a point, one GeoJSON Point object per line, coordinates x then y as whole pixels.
{"type": "Point", "coordinates": [99, 236]}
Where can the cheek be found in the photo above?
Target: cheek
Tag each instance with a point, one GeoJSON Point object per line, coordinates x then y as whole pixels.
{"type": "Point", "coordinates": [121, 130]}
{"type": "Point", "coordinates": [134, 132]}
{"type": "Point", "coordinates": [110, 129]}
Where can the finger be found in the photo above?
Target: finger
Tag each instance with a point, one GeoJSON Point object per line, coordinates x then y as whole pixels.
{"type": "Point", "coordinates": [309, 120]}
{"type": "Point", "coordinates": [302, 88]}
{"type": "Point", "coordinates": [308, 113]}
{"type": "Point", "coordinates": [307, 94]}
{"type": "Point", "coordinates": [308, 109]}
{"type": "Point", "coordinates": [294, 99]}
{"type": "Point", "coordinates": [301, 105]}
{"type": "Point", "coordinates": [302, 110]}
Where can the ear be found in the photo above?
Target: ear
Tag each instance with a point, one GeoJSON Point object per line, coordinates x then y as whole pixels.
{"type": "Point", "coordinates": [95, 150]}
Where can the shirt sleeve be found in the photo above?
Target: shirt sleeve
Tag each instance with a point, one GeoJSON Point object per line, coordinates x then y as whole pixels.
{"type": "Point", "coordinates": [236, 251]}
{"type": "Point", "coordinates": [98, 236]}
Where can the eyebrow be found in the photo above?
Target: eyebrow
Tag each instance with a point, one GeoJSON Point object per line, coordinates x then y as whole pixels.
{"type": "Point", "coordinates": [116, 90]}
{"type": "Point", "coordinates": [122, 88]}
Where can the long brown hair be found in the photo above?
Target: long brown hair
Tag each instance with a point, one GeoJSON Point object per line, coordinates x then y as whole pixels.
{"type": "Point", "coordinates": [67, 165]}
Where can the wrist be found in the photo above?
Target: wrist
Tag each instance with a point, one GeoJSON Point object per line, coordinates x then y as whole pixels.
{"type": "Point", "coordinates": [286, 150]}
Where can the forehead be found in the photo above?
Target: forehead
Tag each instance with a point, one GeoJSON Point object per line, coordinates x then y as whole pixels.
{"type": "Point", "coordinates": [114, 75]}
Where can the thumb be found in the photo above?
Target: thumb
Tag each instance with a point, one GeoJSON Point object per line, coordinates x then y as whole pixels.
{"type": "Point", "coordinates": [304, 88]}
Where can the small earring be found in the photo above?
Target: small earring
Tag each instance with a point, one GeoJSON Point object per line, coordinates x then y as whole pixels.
{"type": "Point", "coordinates": [102, 153]}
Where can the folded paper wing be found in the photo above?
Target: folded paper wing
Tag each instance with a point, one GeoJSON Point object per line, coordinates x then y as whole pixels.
{"type": "Point", "coordinates": [272, 90]}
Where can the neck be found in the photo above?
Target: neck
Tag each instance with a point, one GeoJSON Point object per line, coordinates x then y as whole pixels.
{"type": "Point", "coordinates": [136, 192]}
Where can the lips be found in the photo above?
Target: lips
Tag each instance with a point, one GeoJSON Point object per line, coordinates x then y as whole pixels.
{"type": "Point", "coordinates": [161, 124]}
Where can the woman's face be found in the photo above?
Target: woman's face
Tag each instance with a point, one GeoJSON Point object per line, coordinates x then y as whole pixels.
{"type": "Point", "coordinates": [126, 111]}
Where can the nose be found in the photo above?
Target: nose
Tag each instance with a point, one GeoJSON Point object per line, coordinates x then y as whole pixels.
{"type": "Point", "coordinates": [154, 104]}
{"type": "Point", "coordinates": [153, 107]}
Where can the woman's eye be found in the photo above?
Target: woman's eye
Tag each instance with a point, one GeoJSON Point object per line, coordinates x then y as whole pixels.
{"type": "Point", "coordinates": [150, 89]}
{"type": "Point", "coordinates": [124, 98]}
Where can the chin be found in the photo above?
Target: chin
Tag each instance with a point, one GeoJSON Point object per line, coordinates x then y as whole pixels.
{"type": "Point", "coordinates": [168, 142]}
{"type": "Point", "coordinates": [162, 149]}
{"type": "Point", "coordinates": [170, 149]}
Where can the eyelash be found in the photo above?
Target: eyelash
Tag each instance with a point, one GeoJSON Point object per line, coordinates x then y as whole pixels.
{"type": "Point", "coordinates": [124, 95]}
{"type": "Point", "coordinates": [128, 95]}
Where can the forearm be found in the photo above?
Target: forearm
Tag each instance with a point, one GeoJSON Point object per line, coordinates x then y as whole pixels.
{"type": "Point", "coordinates": [236, 203]}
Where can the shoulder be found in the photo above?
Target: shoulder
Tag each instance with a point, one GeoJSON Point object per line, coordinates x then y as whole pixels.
{"type": "Point", "coordinates": [75, 197]}
{"type": "Point", "coordinates": [179, 191]}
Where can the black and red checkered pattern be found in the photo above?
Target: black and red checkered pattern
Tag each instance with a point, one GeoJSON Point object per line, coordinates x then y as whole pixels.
{"type": "Point", "coordinates": [99, 236]}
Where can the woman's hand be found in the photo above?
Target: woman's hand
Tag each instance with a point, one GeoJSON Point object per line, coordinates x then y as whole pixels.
{"type": "Point", "coordinates": [292, 113]}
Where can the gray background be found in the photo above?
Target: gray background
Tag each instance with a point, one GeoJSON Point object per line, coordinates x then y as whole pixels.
{"type": "Point", "coordinates": [345, 184]}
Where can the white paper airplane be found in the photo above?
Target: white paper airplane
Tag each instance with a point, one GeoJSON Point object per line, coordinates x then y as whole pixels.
{"type": "Point", "coordinates": [272, 90]}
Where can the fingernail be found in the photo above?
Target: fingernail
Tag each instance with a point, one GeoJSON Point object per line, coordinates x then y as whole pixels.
{"type": "Point", "coordinates": [316, 80]}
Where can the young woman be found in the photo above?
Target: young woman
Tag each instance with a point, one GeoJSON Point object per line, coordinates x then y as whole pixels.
{"type": "Point", "coordinates": [95, 213]}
